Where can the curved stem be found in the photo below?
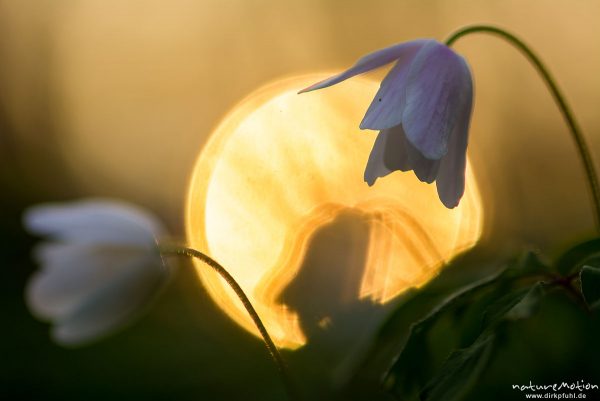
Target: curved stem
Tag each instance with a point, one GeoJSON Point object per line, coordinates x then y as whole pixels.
{"type": "Point", "coordinates": [273, 351]}
{"type": "Point", "coordinates": [559, 98]}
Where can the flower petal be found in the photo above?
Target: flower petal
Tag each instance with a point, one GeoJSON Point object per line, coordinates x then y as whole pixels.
{"type": "Point", "coordinates": [402, 155]}
{"type": "Point", "coordinates": [71, 272]}
{"type": "Point", "coordinates": [376, 166]}
{"type": "Point", "coordinates": [370, 62]}
{"type": "Point", "coordinates": [425, 169]}
{"type": "Point", "coordinates": [392, 151]}
{"type": "Point", "coordinates": [386, 108]}
{"type": "Point", "coordinates": [94, 221]}
{"type": "Point", "coordinates": [437, 91]}
{"type": "Point", "coordinates": [112, 305]}
{"type": "Point", "coordinates": [451, 178]}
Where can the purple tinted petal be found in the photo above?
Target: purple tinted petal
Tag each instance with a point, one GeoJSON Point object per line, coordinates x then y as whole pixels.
{"type": "Point", "coordinates": [451, 177]}
{"type": "Point", "coordinates": [425, 169]}
{"type": "Point", "coordinates": [397, 153]}
{"type": "Point", "coordinates": [370, 62]}
{"type": "Point", "coordinates": [437, 91]}
{"type": "Point", "coordinates": [386, 108]}
{"type": "Point", "coordinates": [400, 154]}
{"type": "Point", "coordinates": [376, 166]}
{"type": "Point", "coordinates": [392, 151]}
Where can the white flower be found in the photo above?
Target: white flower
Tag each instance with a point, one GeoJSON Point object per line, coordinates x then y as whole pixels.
{"type": "Point", "coordinates": [101, 266]}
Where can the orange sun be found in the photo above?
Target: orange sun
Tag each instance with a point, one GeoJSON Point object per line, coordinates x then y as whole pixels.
{"type": "Point", "coordinates": [280, 174]}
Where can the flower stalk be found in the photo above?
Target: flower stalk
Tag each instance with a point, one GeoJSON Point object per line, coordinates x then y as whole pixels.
{"type": "Point", "coordinates": [273, 351]}
{"type": "Point", "coordinates": [559, 98]}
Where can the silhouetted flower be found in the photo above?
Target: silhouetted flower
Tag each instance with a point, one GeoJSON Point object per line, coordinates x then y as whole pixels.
{"type": "Point", "coordinates": [101, 266]}
{"type": "Point", "coordinates": [422, 109]}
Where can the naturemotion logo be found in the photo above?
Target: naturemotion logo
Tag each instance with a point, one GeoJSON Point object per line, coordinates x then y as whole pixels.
{"type": "Point", "coordinates": [563, 390]}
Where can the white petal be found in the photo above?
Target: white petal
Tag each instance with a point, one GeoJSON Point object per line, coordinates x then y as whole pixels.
{"type": "Point", "coordinates": [112, 305]}
{"type": "Point", "coordinates": [71, 272]}
{"type": "Point", "coordinates": [370, 62]}
{"type": "Point", "coordinates": [94, 221]}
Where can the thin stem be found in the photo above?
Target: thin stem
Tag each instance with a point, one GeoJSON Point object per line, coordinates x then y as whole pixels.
{"type": "Point", "coordinates": [559, 98]}
{"type": "Point", "coordinates": [273, 351]}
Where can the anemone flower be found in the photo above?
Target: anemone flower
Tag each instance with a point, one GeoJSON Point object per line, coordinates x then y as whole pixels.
{"type": "Point", "coordinates": [100, 267]}
{"type": "Point", "coordinates": [422, 110]}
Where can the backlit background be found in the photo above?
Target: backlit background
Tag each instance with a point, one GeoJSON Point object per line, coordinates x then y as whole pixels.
{"type": "Point", "coordinates": [118, 98]}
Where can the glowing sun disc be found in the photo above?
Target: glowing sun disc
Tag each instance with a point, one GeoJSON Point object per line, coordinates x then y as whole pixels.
{"type": "Point", "coordinates": [279, 167]}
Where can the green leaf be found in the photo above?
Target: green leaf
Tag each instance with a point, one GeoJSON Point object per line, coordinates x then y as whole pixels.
{"type": "Point", "coordinates": [528, 305]}
{"type": "Point", "coordinates": [518, 304]}
{"type": "Point", "coordinates": [460, 371]}
{"type": "Point", "coordinates": [462, 368]}
{"type": "Point", "coordinates": [413, 343]}
{"type": "Point", "coordinates": [530, 262]}
{"type": "Point", "coordinates": [450, 302]}
{"type": "Point", "coordinates": [485, 311]}
{"type": "Point", "coordinates": [411, 367]}
{"type": "Point", "coordinates": [575, 257]}
{"type": "Point", "coordinates": [590, 286]}
{"type": "Point", "coordinates": [413, 316]}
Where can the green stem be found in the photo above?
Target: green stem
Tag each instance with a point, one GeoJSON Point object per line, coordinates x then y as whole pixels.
{"type": "Point", "coordinates": [273, 351]}
{"type": "Point", "coordinates": [559, 98]}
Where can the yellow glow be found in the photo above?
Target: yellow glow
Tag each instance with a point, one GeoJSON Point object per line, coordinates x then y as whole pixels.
{"type": "Point", "coordinates": [279, 167]}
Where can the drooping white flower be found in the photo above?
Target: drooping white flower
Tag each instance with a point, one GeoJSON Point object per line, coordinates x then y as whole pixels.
{"type": "Point", "coordinates": [99, 269]}
{"type": "Point", "coordinates": [423, 110]}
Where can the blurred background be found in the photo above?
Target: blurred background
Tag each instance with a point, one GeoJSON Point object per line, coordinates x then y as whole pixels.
{"type": "Point", "coordinates": [118, 98]}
